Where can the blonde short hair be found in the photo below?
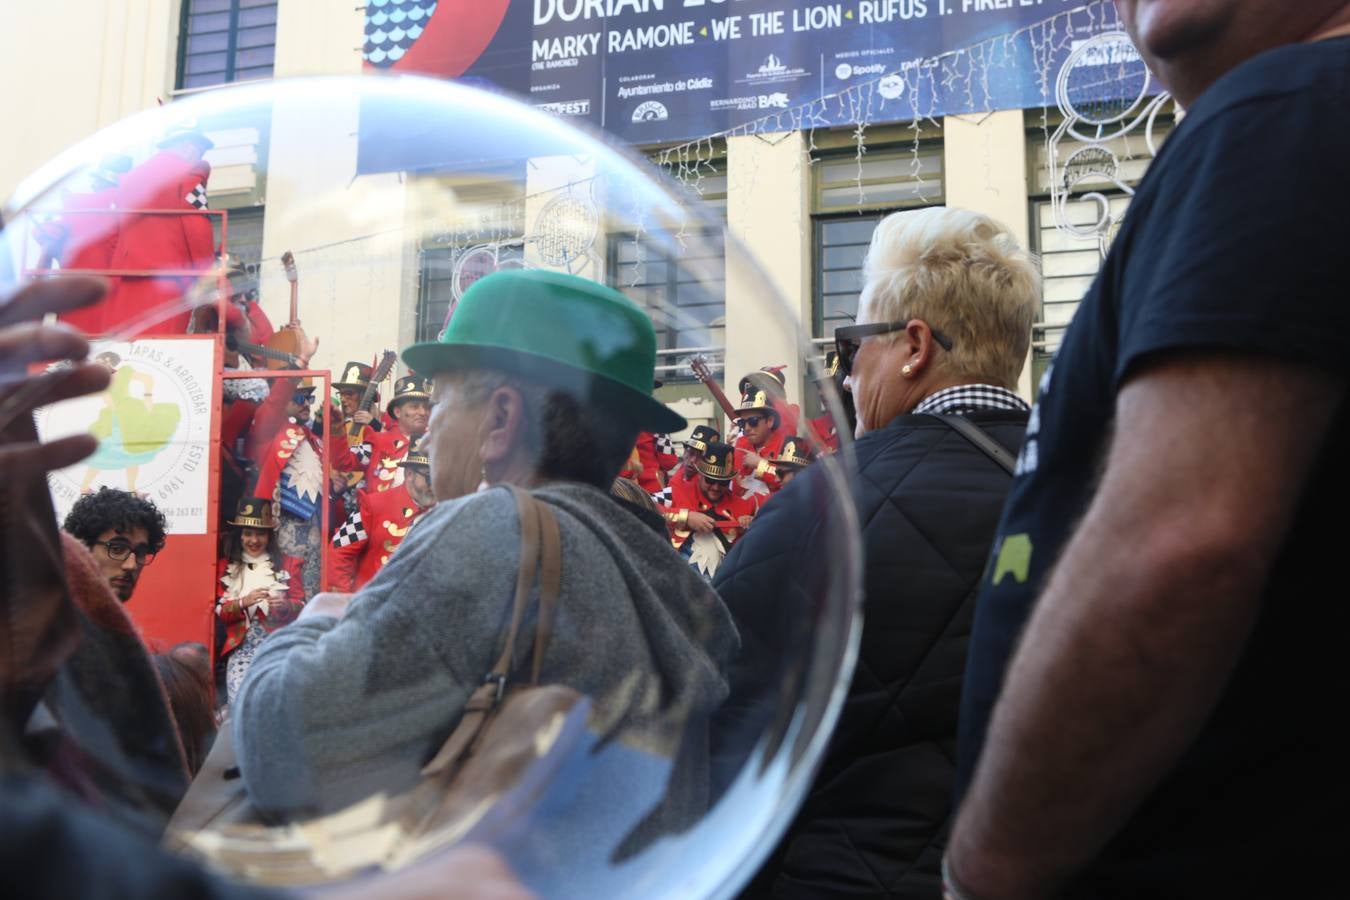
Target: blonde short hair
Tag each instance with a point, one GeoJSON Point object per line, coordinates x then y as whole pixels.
{"type": "Point", "coordinates": [966, 276]}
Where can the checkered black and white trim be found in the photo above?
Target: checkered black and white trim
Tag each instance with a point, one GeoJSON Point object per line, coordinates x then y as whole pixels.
{"type": "Point", "coordinates": [664, 444]}
{"type": "Point", "coordinates": [964, 398]}
{"type": "Point", "coordinates": [197, 196]}
{"type": "Point", "coordinates": [664, 497]}
{"type": "Point", "coordinates": [352, 531]}
{"type": "Point", "coordinates": [362, 453]}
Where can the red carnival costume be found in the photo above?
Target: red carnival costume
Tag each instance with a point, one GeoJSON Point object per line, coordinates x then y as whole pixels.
{"type": "Point", "coordinates": [656, 457]}
{"type": "Point", "coordinates": [84, 238]}
{"type": "Point", "coordinates": [383, 451]}
{"type": "Point", "coordinates": [822, 427]}
{"type": "Point", "coordinates": [278, 613]}
{"type": "Point", "coordinates": [163, 227]}
{"type": "Point", "coordinates": [705, 551]}
{"type": "Point", "coordinates": [369, 536]}
{"type": "Point", "coordinates": [762, 477]}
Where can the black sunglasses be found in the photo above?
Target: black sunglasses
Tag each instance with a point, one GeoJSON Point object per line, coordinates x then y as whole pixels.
{"type": "Point", "coordinates": [848, 339]}
{"type": "Point", "coordinates": [750, 422]}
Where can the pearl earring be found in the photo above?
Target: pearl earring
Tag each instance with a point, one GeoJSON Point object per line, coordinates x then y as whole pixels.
{"type": "Point", "coordinates": [907, 370]}
{"type": "Point", "coordinates": [483, 482]}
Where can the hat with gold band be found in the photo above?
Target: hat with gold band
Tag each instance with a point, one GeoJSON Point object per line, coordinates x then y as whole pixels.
{"type": "Point", "coordinates": [701, 437]}
{"type": "Point", "coordinates": [417, 455]}
{"type": "Point", "coordinates": [795, 453]}
{"type": "Point", "coordinates": [409, 387]}
{"type": "Point", "coordinates": [355, 376]}
{"type": "Point", "coordinates": [756, 398]}
{"type": "Point", "coordinates": [769, 379]}
{"type": "Point", "coordinates": [717, 462]}
{"type": "Point", "coordinates": [253, 512]}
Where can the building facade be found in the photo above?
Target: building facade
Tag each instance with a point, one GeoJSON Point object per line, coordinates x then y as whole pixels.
{"type": "Point", "coordinates": [802, 203]}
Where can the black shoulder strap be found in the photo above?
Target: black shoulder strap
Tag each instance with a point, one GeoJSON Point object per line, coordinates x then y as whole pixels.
{"type": "Point", "coordinates": [977, 436]}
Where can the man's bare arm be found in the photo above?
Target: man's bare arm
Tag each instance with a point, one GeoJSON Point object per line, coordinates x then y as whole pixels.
{"type": "Point", "coordinates": [1144, 617]}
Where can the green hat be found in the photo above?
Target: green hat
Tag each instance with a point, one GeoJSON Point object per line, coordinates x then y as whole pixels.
{"type": "Point", "coordinates": [559, 330]}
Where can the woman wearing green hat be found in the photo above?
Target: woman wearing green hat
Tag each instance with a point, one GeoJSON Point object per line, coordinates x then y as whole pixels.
{"type": "Point", "coordinates": [541, 381]}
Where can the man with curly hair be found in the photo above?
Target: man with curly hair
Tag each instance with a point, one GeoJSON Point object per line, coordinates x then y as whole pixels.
{"type": "Point", "coordinates": [122, 530]}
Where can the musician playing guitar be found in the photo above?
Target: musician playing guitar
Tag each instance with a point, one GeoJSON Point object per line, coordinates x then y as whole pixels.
{"type": "Point", "coordinates": [705, 515]}
{"type": "Point", "coordinates": [358, 395]}
{"type": "Point", "coordinates": [764, 418]}
{"type": "Point", "coordinates": [410, 408]}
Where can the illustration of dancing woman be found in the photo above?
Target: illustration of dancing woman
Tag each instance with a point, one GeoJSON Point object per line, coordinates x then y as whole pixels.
{"type": "Point", "coordinates": [131, 430]}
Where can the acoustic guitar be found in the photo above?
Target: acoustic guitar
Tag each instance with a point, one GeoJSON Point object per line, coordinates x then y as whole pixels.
{"type": "Point", "coordinates": [286, 342]}
{"type": "Point", "coordinates": [367, 403]}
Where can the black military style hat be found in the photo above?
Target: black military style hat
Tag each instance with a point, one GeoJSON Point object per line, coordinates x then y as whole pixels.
{"type": "Point", "coordinates": [795, 454]}
{"type": "Point", "coordinates": [717, 463]}
{"type": "Point", "coordinates": [417, 455]}
{"type": "Point", "coordinates": [409, 387]}
{"type": "Point", "coordinates": [701, 437]}
{"type": "Point", "coordinates": [253, 512]}
{"type": "Point", "coordinates": [355, 375]}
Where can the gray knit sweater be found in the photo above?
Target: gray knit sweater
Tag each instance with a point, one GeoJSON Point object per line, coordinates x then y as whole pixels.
{"type": "Point", "coordinates": [333, 710]}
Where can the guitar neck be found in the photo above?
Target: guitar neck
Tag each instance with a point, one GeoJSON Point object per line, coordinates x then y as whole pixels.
{"type": "Point", "coordinates": [367, 403]}
{"type": "Point", "coordinates": [716, 390]}
{"type": "Point", "coordinates": [267, 352]}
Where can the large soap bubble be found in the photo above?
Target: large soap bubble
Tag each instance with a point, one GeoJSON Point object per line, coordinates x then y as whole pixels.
{"type": "Point", "coordinates": [270, 249]}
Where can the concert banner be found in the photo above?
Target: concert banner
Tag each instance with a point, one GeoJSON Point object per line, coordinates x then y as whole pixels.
{"type": "Point", "coordinates": [658, 71]}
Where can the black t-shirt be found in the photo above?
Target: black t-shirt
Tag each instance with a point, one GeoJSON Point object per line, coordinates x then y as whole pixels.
{"type": "Point", "coordinates": [1236, 240]}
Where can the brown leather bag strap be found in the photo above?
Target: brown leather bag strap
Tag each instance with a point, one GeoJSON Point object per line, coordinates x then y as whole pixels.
{"type": "Point", "coordinates": [484, 699]}
{"type": "Point", "coordinates": [550, 584]}
{"type": "Point", "coordinates": [528, 513]}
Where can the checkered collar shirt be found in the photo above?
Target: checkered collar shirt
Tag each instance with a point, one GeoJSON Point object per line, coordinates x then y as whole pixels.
{"type": "Point", "coordinates": [967, 398]}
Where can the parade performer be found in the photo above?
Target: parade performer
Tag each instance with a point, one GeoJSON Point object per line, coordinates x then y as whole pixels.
{"type": "Point", "coordinates": [761, 440]}
{"type": "Point", "coordinates": [795, 456]}
{"type": "Point", "coordinates": [260, 588]}
{"type": "Point", "coordinates": [409, 408]}
{"type": "Point", "coordinates": [85, 234]}
{"type": "Point", "coordinates": [291, 473]}
{"type": "Point", "coordinates": [365, 541]}
{"type": "Point", "coordinates": [687, 472]}
{"type": "Point", "coordinates": [163, 228]}
{"type": "Point", "coordinates": [706, 516]}
{"type": "Point", "coordinates": [822, 426]}
{"type": "Point", "coordinates": [772, 380]}
{"type": "Point", "coordinates": [351, 388]}
{"type": "Point", "coordinates": [655, 459]}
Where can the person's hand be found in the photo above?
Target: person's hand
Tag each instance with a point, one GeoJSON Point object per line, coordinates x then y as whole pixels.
{"type": "Point", "coordinates": [750, 459]}
{"type": "Point", "coordinates": [363, 417]}
{"type": "Point", "coordinates": [308, 345]}
{"type": "Point", "coordinates": [700, 522]}
{"type": "Point", "coordinates": [329, 603]}
{"type": "Point", "coordinates": [744, 521]}
{"type": "Point", "coordinates": [254, 597]}
{"type": "Point", "coordinates": [24, 340]}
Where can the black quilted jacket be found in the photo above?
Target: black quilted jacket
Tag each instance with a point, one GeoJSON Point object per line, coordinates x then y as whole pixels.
{"type": "Point", "coordinates": [876, 818]}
